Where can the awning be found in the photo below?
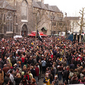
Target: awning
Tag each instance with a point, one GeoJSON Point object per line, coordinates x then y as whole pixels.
{"type": "Point", "coordinates": [34, 34]}
{"type": "Point", "coordinates": [44, 28]}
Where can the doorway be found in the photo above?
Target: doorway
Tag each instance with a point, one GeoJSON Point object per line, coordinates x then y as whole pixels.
{"type": "Point", "coordinates": [24, 30]}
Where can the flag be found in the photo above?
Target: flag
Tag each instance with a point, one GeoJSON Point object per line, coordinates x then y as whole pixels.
{"type": "Point", "coordinates": [39, 36]}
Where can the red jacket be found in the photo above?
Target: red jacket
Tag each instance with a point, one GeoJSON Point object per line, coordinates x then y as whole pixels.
{"type": "Point", "coordinates": [26, 76]}
{"type": "Point", "coordinates": [23, 60]}
{"type": "Point", "coordinates": [79, 58]}
{"type": "Point", "coordinates": [37, 71]}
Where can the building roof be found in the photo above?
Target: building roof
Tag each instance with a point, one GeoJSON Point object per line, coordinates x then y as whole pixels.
{"type": "Point", "coordinates": [45, 6]}
{"type": "Point", "coordinates": [42, 5]}
{"type": "Point", "coordinates": [4, 4]}
{"type": "Point", "coordinates": [55, 8]}
{"type": "Point", "coordinates": [49, 7]}
{"type": "Point", "coordinates": [35, 4]}
{"type": "Point", "coordinates": [71, 18]}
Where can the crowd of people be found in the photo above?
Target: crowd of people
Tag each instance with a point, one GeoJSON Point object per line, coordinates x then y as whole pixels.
{"type": "Point", "coordinates": [57, 60]}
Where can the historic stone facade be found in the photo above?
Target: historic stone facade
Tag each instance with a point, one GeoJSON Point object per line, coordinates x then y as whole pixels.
{"type": "Point", "coordinates": [47, 17]}
{"type": "Point", "coordinates": [7, 15]}
{"type": "Point", "coordinates": [24, 16]}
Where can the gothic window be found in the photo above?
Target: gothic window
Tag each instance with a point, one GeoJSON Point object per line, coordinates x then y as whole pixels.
{"type": "Point", "coordinates": [9, 22]}
{"type": "Point", "coordinates": [24, 10]}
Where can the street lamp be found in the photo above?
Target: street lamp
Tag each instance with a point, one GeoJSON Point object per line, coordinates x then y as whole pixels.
{"type": "Point", "coordinates": [52, 19]}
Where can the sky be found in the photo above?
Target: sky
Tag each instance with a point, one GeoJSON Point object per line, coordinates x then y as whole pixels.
{"type": "Point", "coordinates": [71, 7]}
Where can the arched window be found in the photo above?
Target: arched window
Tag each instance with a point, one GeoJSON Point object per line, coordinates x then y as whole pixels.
{"type": "Point", "coordinates": [9, 22]}
{"type": "Point", "coordinates": [24, 10]}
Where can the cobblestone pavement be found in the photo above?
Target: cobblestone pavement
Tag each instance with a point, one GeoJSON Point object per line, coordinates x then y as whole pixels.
{"type": "Point", "coordinates": [41, 81]}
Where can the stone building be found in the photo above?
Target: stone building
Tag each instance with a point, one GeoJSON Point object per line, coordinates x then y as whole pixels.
{"type": "Point", "coordinates": [20, 17]}
{"type": "Point", "coordinates": [73, 23]}
{"type": "Point", "coordinates": [47, 17]}
{"type": "Point", "coordinates": [7, 14]}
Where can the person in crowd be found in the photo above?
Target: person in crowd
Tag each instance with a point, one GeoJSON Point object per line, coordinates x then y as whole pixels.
{"type": "Point", "coordinates": [60, 69]}
{"type": "Point", "coordinates": [43, 65]}
{"type": "Point", "coordinates": [55, 56]}
{"type": "Point", "coordinates": [17, 79]}
{"type": "Point", "coordinates": [7, 79]}
{"type": "Point", "coordinates": [36, 72]}
{"type": "Point", "coordinates": [55, 81]}
{"type": "Point", "coordinates": [12, 77]}
{"type": "Point", "coordinates": [1, 76]}
{"type": "Point", "coordinates": [1, 63]}
{"type": "Point", "coordinates": [65, 75]}
{"type": "Point", "coordinates": [46, 79]}
{"type": "Point", "coordinates": [33, 82]}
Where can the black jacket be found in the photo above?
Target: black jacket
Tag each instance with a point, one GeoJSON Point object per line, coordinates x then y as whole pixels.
{"type": "Point", "coordinates": [17, 80]}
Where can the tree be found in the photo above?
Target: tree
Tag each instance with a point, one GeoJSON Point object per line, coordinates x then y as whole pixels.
{"type": "Point", "coordinates": [81, 24]}
{"type": "Point", "coordinates": [40, 16]}
{"type": "Point", "coordinates": [61, 24]}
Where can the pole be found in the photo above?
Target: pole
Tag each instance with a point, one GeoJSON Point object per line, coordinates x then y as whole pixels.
{"type": "Point", "coordinates": [36, 28]}
{"type": "Point", "coordinates": [51, 27]}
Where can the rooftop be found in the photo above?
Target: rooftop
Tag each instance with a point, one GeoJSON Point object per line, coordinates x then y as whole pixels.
{"type": "Point", "coordinates": [45, 6]}
{"type": "Point", "coordinates": [5, 5]}
{"type": "Point", "coordinates": [72, 18]}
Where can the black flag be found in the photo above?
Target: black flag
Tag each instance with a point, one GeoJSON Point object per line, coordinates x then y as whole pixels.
{"type": "Point", "coordinates": [39, 36]}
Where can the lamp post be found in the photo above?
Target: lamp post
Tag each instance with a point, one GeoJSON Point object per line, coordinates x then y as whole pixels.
{"type": "Point", "coordinates": [36, 23]}
{"type": "Point", "coordinates": [52, 19]}
{"type": "Point", "coordinates": [66, 24]}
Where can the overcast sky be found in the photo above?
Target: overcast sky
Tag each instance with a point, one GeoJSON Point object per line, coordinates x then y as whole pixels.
{"type": "Point", "coordinates": [71, 7]}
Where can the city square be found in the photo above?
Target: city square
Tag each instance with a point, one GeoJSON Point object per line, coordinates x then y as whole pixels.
{"type": "Point", "coordinates": [40, 44]}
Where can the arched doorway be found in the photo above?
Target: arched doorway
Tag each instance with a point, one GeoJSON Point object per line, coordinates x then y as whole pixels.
{"type": "Point", "coordinates": [24, 30]}
{"type": "Point", "coordinates": [44, 30]}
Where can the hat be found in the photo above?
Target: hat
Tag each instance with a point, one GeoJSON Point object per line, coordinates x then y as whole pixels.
{"type": "Point", "coordinates": [78, 58]}
{"type": "Point", "coordinates": [15, 64]}
{"type": "Point", "coordinates": [58, 66]}
{"type": "Point", "coordinates": [79, 55]}
{"type": "Point", "coordinates": [30, 56]}
{"type": "Point", "coordinates": [22, 72]}
{"type": "Point", "coordinates": [56, 76]}
{"type": "Point", "coordinates": [11, 67]}
{"type": "Point", "coordinates": [42, 55]}
{"type": "Point", "coordinates": [2, 47]}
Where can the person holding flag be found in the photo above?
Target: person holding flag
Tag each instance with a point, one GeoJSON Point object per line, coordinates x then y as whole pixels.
{"type": "Point", "coordinates": [39, 36]}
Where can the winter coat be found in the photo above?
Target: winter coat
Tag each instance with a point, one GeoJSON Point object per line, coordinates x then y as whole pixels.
{"type": "Point", "coordinates": [17, 80]}
{"type": "Point", "coordinates": [37, 71]}
{"type": "Point", "coordinates": [45, 81]}
{"type": "Point", "coordinates": [1, 77]}
{"type": "Point", "coordinates": [6, 80]}
{"type": "Point", "coordinates": [27, 77]}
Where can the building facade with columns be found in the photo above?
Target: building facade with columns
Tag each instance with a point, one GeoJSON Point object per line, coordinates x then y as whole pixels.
{"type": "Point", "coordinates": [20, 17]}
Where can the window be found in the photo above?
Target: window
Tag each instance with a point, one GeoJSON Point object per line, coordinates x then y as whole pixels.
{"type": "Point", "coordinates": [9, 22]}
{"type": "Point", "coordinates": [53, 23]}
{"type": "Point", "coordinates": [24, 10]}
